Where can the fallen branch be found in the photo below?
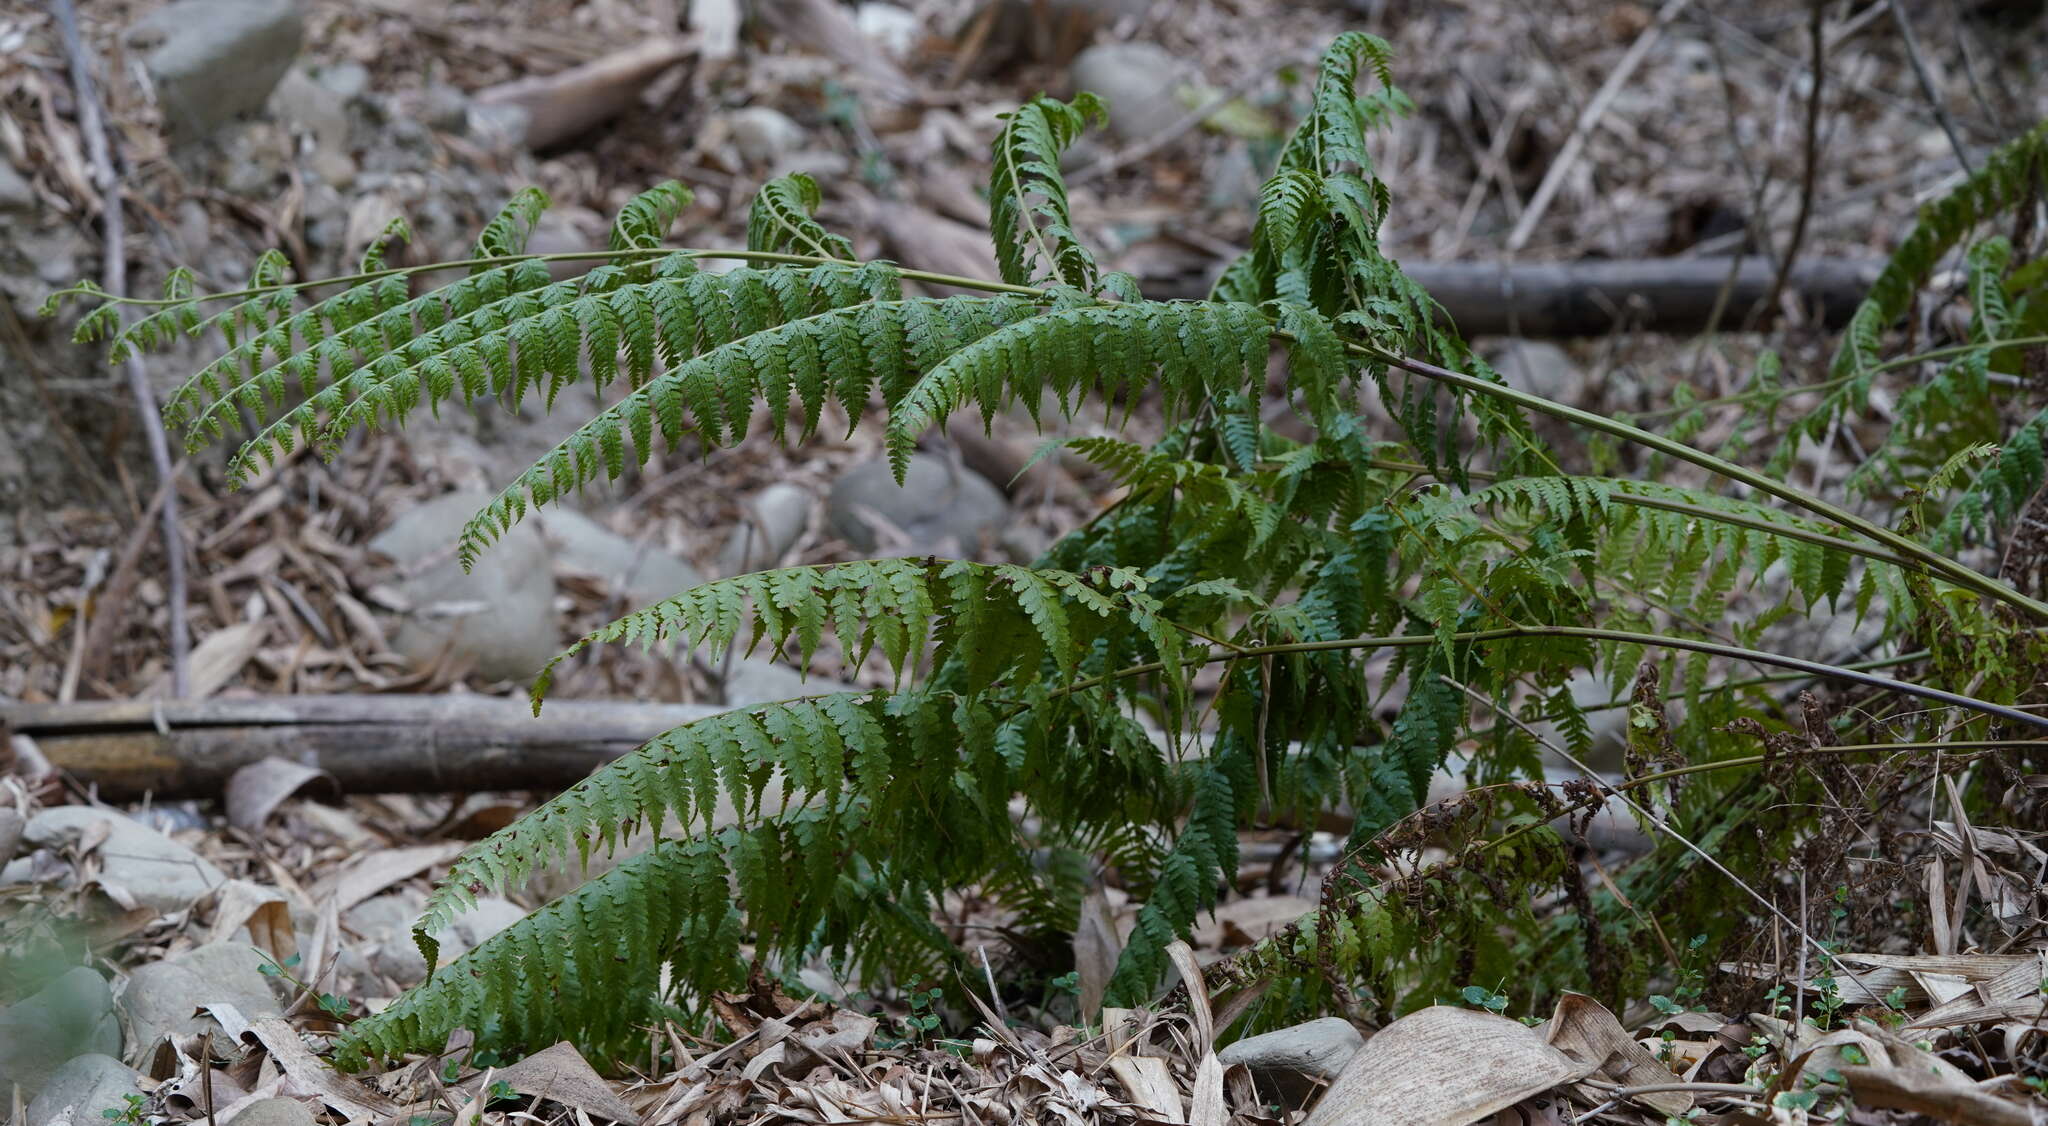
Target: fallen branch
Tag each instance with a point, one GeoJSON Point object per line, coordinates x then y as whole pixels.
{"type": "Point", "coordinates": [369, 744]}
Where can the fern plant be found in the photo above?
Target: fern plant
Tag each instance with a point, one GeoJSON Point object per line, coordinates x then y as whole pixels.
{"type": "Point", "coordinates": [1376, 599]}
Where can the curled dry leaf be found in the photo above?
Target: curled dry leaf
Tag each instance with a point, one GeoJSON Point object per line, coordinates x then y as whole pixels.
{"type": "Point", "coordinates": [1444, 1066]}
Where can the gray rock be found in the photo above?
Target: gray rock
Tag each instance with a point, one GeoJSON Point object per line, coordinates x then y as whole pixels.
{"type": "Point", "coordinates": [71, 1016]}
{"type": "Point", "coordinates": [941, 508]}
{"type": "Point", "coordinates": [1540, 368]}
{"type": "Point", "coordinates": [15, 192]}
{"type": "Point", "coordinates": [1317, 1048]}
{"type": "Point", "coordinates": [274, 1112]}
{"type": "Point", "coordinates": [216, 60]}
{"type": "Point", "coordinates": [11, 826]}
{"type": "Point", "coordinates": [81, 1089]}
{"type": "Point", "coordinates": [162, 997]}
{"type": "Point", "coordinates": [445, 108]}
{"type": "Point", "coordinates": [1140, 81]}
{"type": "Point", "coordinates": [384, 925]}
{"type": "Point", "coordinates": [895, 30]}
{"type": "Point", "coordinates": [500, 616]}
{"type": "Point", "coordinates": [643, 575]}
{"type": "Point", "coordinates": [763, 134]}
{"type": "Point", "coordinates": [315, 108]}
{"type": "Point", "coordinates": [775, 517]}
{"type": "Point", "coordinates": [157, 871]}
{"type": "Point", "coordinates": [757, 680]}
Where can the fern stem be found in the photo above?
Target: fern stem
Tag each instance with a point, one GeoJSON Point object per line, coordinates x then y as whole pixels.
{"type": "Point", "coordinates": [1766, 393]}
{"type": "Point", "coordinates": [1788, 531]}
{"type": "Point", "coordinates": [773, 257]}
{"type": "Point", "coordinates": [1587, 633]}
{"type": "Point", "coordinates": [1933, 561]}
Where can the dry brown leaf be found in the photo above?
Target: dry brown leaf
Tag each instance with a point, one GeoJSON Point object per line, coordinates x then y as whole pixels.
{"type": "Point", "coordinates": [1096, 950]}
{"type": "Point", "coordinates": [255, 791]}
{"type": "Point", "coordinates": [240, 903]}
{"type": "Point", "coordinates": [1586, 1031]}
{"type": "Point", "coordinates": [1148, 1081]}
{"type": "Point", "coordinates": [561, 1074]}
{"type": "Point", "coordinates": [371, 873]}
{"type": "Point", "coordinates": [216, 660]}
{"type": "Point", "coordinates": [1444, 1066]}
{"type": "Point", "coordinates": [311, 1075]}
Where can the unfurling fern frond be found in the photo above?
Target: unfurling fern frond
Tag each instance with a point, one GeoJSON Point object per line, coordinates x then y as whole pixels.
{"type": "Point", "coordinates": [1028, 213]}
{"type": "Point", "coordinates": [781, 220]}
{"type": "Point", "coordinates": [506, 234]}
{"type": "Point", "coordinates": [646, 218]}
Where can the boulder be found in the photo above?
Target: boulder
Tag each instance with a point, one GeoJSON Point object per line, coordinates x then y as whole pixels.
{"type": "Point", "coordinates": [640, 574]}
{"type": "Point", "coordinates": [12, 825]}
{"type": "Point", "coordinates": [941, 509]}
{"type": "Point", "coordinates": [500, 616]}
{"type": "Point", "coordinates": [83, 1090]}
{"type": "Point", "coordinates": [135, 859]}
{"type": "Point", "coordinates": [71, 1016]}
{"type": "Point", "coordinates": [162, 997]}
{"type": "Point", "coordinates": [775, 518]}
{"type": "Point", "coordinates": [215, 60]}
{"type": "Point", "coordinates": [16, 194]}
{"type": "Point", "coordinates": [274, 1112]}
{"type": "Point", "coordinates": [1540, 368]}
{"type": "Point", "coordinates": [757, 680]}
{"type": "Point", "coordinates": [384, 924]}
{"type": "Point", "coordinates": [1140, 81]}
{"type": "Point", "coordinates": [895, 30]}
{"type": "Point", "coordinates": [317, 102]}
{"type": "Point", "coordinates": [764, 135]}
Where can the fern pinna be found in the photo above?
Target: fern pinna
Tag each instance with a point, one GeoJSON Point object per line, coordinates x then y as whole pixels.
{"type": "Point", "coordinates": [1373, 598]}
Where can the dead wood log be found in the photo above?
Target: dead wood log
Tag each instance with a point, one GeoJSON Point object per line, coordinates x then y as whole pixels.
{"type": "Point", "coordinates": [1597, 296]}
{"type": "Point", "coordinates": [369, 744]}
{"type": "Point", "coordinates": [557, 108]}
{"type": "Point", "coordinates": [1593, 297]}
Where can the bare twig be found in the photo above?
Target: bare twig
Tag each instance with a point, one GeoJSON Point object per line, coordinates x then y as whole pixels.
{"type": "Point", "coordinates": [1553, 178]}
{"type": "Point", "coordinates": [92, 124]}
{"type": "Point", "coordinates": [1816, 28]}
{"type": "Point", "coordinates": [1926, 79]}
{"type": "Point", "coordinates": [1656, 821]}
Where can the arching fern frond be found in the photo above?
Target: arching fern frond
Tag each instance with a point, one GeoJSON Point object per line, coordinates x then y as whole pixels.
{"type": "Point", "coordinates": [1028, 213]}
{"type": "Point", "coordinates": [1197, 350]}
{"type": "Point", "coordinates": [1006, 624]}
{"type": "Point", "coordinates": [2012, 176]}
{"type": "Point", "coordinates": [506, 332]}
{"type": "Point", "coordinates": [841, 354]}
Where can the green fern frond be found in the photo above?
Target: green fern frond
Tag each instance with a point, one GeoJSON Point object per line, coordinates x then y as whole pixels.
{"type": "Point", "coordinates": [899, 608]}
{"type": "Point", "coordinates": [2011, 177]}
{"type": "Point", "coordinates": [1028, 212]}
{"type": "Point", "coordinates": [1197, 350]}
{"type": "Point", "coordinates": [840, 354]}
{"type": "Point", "coordinates": [781, 220]}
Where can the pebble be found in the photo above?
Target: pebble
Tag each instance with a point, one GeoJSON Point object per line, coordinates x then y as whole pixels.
{"type": "Point", "coordinates": [71, 1016]}
{"type": "Point", "coordinates": [213, 61]}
